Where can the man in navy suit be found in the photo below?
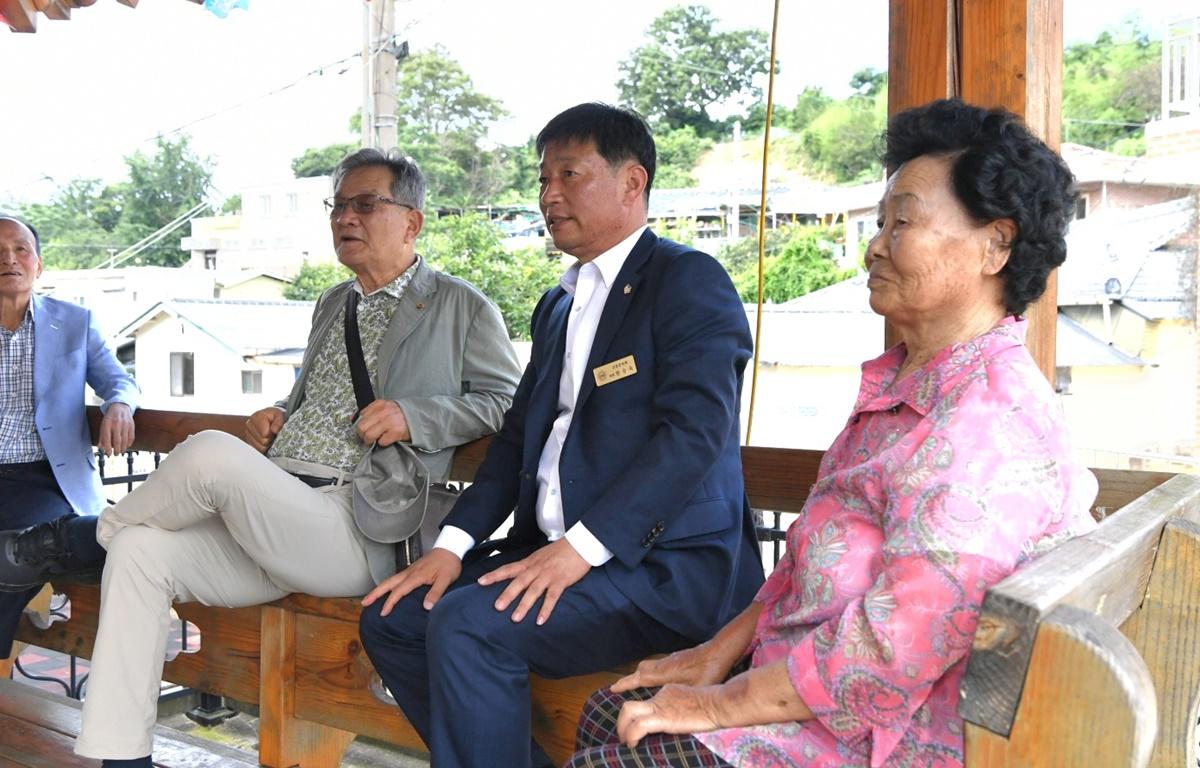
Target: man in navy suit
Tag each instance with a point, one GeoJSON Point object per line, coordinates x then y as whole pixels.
{"type": "Point", "coordinates": [50, 349]}
{"type": "Point", "coordinates": [620, 454]}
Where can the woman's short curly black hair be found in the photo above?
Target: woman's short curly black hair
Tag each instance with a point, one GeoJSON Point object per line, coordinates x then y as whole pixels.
{"type": "Point", "coordinates": [999, 170]}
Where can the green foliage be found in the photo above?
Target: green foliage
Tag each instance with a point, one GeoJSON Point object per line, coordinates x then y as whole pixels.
{"type": "Point", "coordinates": [869, 82]}
{"type": "Point", "coordinates": [842, 141]}
{"type": "Point", "coordinates": [84, 220]}
{"type": "Point", "coordinates": [313, 279]}
{"type": "Point", "coordinates": [678, 151]}
{"type": "Point", "coordinates": [811, 102]}
{"type": "Point", "coordinates": [523, 167]}
{"type": "Point", "coordinates": [320, 161]}
{"type": "Point", "coordinates": [443, 121]}
{"type": "Point", "coordinates": [1111, 89]}
{"type": "Point", "coordinates": [232, 205]}
{"type": "Point", "coordinates": [161, 186]}
{"type": "Point", "coordinates": [798, 261]}
{"type": "Point", "coordinates": [471, 247]}
{"type": "Point", "coordinates": [682, 231]}
{"type": "Point", "coordinates": [687, 66]}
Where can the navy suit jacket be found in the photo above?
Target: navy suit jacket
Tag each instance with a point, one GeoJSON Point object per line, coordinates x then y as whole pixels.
{"type": "Point", "coordinates": [69, 352]}
{"type": "Point", "coordinates": [651, 463]}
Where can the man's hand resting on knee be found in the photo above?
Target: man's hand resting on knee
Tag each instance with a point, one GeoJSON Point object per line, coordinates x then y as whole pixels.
{"type": "Point", "coordinates": [437, 569]}
{"type": "Point", "coordinates": [547, 573]}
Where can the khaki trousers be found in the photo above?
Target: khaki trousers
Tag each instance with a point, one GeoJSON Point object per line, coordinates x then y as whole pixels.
{"type": "Point", "coordinates": [217, 523]}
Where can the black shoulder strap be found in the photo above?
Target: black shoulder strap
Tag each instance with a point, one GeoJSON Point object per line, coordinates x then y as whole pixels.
{"type": "Point", "coordinates": [363, 393]}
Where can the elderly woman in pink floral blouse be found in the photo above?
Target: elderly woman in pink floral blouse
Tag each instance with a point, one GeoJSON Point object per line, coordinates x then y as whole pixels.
{"type": "Point", "coordinates": [953, 470]}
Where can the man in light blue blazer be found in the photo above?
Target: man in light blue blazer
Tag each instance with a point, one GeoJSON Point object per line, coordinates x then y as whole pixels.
{"type": "Point", "coordinates": [50, 349]}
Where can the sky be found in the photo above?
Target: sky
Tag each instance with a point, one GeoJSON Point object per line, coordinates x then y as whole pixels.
{"type": "Point", "coordinates": [256, 89]}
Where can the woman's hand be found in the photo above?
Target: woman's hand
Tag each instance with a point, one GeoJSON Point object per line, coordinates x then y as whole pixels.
{"type": "Point", "coordinates": [759, 696]}
{"type": "Point", "coordinates": [674, 709]}
{"type": "Point", "coordinates": [694, 666]}
{"type": "Point", "coordinates": [706, 664]}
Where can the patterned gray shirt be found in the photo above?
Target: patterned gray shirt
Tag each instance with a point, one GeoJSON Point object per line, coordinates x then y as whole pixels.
{"type": "Point", "coordinates": [19, 441]}
{"type": "Point", "coordinates": [320, 430]}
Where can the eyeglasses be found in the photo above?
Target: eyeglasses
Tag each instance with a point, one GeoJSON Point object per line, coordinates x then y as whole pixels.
{"type": "Point", "coordinates": [362, 204]}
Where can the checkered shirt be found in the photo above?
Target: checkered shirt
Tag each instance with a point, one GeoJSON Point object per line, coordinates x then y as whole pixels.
{"type": "Point", "coordinates": [19, 441]}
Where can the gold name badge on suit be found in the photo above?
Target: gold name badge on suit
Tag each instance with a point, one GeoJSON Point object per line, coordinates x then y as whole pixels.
{"type": "Point", "coordinates": [614, 371]}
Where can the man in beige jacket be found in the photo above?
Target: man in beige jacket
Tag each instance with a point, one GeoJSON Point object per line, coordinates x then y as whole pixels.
{"type": "Point", "coordinates": [237, 523]}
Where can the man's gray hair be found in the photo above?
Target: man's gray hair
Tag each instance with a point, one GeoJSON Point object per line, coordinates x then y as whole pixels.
{"type": "Point", "coordinates": [408, 183]}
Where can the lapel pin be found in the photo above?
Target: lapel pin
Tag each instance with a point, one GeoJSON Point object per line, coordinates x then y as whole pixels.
{"type": "Point", "coordinates": [628, 289]}
{"type": "Point", "coordinates": [420, 306]}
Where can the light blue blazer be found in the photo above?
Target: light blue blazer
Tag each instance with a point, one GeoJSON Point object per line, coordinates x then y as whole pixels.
{"type": "Point", "coordinates": [69, 351]}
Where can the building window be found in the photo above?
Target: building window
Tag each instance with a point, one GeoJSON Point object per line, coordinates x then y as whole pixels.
{"type": "Point", "coordinates": [1081, 207]}
{"type": "Point", "coordinates": [265, 204]}
{"type": "Point", "coordinates": [293, 202]}
{"type": "Point", "coordinates": [210, 259]}
{"type": "Point", "coordinates": [1062, 380]}
{"type": "Point", "coordinates": [183, 381]}
{"type": "Point", "coordinates": [251, 382]}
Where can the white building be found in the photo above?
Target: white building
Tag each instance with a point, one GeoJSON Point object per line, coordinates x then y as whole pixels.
{"type": "Point", "coordinates": [281, 226]}
{"type": "Point", "coordinates": [217, 355]}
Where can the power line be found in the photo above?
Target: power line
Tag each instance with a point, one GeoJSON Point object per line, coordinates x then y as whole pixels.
{"type": "Point", "coordinates": [319, 71]}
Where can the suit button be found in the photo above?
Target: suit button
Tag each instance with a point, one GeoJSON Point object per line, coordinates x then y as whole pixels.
{"type": "Point", "coordinates": [646, 540]}
{"type": "Point", "coordinates": [659, 527]}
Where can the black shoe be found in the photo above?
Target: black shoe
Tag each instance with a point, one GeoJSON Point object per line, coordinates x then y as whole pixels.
{"type": "Point", "coordinates": [31, 557]}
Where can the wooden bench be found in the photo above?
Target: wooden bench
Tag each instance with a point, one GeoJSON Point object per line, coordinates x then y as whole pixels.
{"type": "Point", "coordinates": [1047, 641]}
{"type": "Point", "coordinates": [39, 731]}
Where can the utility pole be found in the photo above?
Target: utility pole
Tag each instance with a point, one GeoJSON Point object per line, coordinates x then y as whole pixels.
{"type": "Point", "coordinates": [384, 52]}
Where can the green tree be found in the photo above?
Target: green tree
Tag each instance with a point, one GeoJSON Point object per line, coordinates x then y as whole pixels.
{"type": "Point", "coordinates": [802, 262]}
{"type": "Point", "coordinates": [523, 169]}
{"type": "Point", "coordinates": [443, 121]}
{"type": "Point", "coordinates": [320, 161]}
{"type": "Point", "coordinates": [1111, 89]}
{"type": "Point", "coordinates": [687, 67]}
{"type": "Point", "coordinates": [471, 247]}
{"type": "Point", "coordinates": [868, 82]}
{"type": "Point", "coordinates": [809, 105]}
{"type": "Point", "coordinates": [313, 279]}
{"type": "Point", "coordinates": [232, 205]}
{"type": "Point", "coordinates": [678, 152]}
{"type": "Point", "coordinates": [161, 186]}
{"type": "Point", "coordinates": [75, 224]}
{"type": "Point", "coordinates": [843, 141]}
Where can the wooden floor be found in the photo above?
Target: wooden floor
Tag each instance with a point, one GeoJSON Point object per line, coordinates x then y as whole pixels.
{"type": "Point", "coordinates": [38, 730]}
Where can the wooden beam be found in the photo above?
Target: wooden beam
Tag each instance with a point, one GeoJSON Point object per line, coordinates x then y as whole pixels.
{"type": "Point", "coordinates": [995, 53]}
{"type": "Point", "coordinates": [21, 15]}
{"type": "Point", "coordinates": [58, 10]}
{"type": "Point", "coordinates": [920, 66]}
{"type": "Point", "coordinates": [1012, 58]}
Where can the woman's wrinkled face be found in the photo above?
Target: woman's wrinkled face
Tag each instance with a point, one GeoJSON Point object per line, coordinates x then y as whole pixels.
{"type": "Point", "coordinates": [930, 260]}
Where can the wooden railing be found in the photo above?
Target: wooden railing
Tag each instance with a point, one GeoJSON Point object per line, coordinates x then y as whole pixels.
{"type": "Point", "coordinates": [1088, 656]}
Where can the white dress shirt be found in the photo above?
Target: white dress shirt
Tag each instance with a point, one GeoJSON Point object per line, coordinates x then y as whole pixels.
{"type": "Point", "coordinates": [589, 284]}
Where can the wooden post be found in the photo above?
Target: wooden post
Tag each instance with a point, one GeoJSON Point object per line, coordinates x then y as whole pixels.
{"type": "Point", "coordinates": [284, 740]}
{"type": "Point", "coordinates": [994, 53]}
{"type": "Point", "coordinates": [921, 63]}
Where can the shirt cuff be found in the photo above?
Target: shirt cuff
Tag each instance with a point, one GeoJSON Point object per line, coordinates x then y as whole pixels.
{"type": "Point", "coordinates": [588, 546]}
{"type": "Point", "coordinates": [454, 540]}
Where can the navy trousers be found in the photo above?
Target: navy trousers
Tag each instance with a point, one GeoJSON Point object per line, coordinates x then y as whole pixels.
{"type": "Point", "coordinates": [460, 672]}
{"type": "Point", "coordinates": [29, 495]}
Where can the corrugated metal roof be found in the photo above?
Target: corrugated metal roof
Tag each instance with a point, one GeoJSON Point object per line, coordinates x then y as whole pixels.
{"type": "Point", "coordinates": [1123, 254]}
{"type": "Point", "coordinates": [245, 326]}
{"type": "Point", "coordinates": [835, 327]}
